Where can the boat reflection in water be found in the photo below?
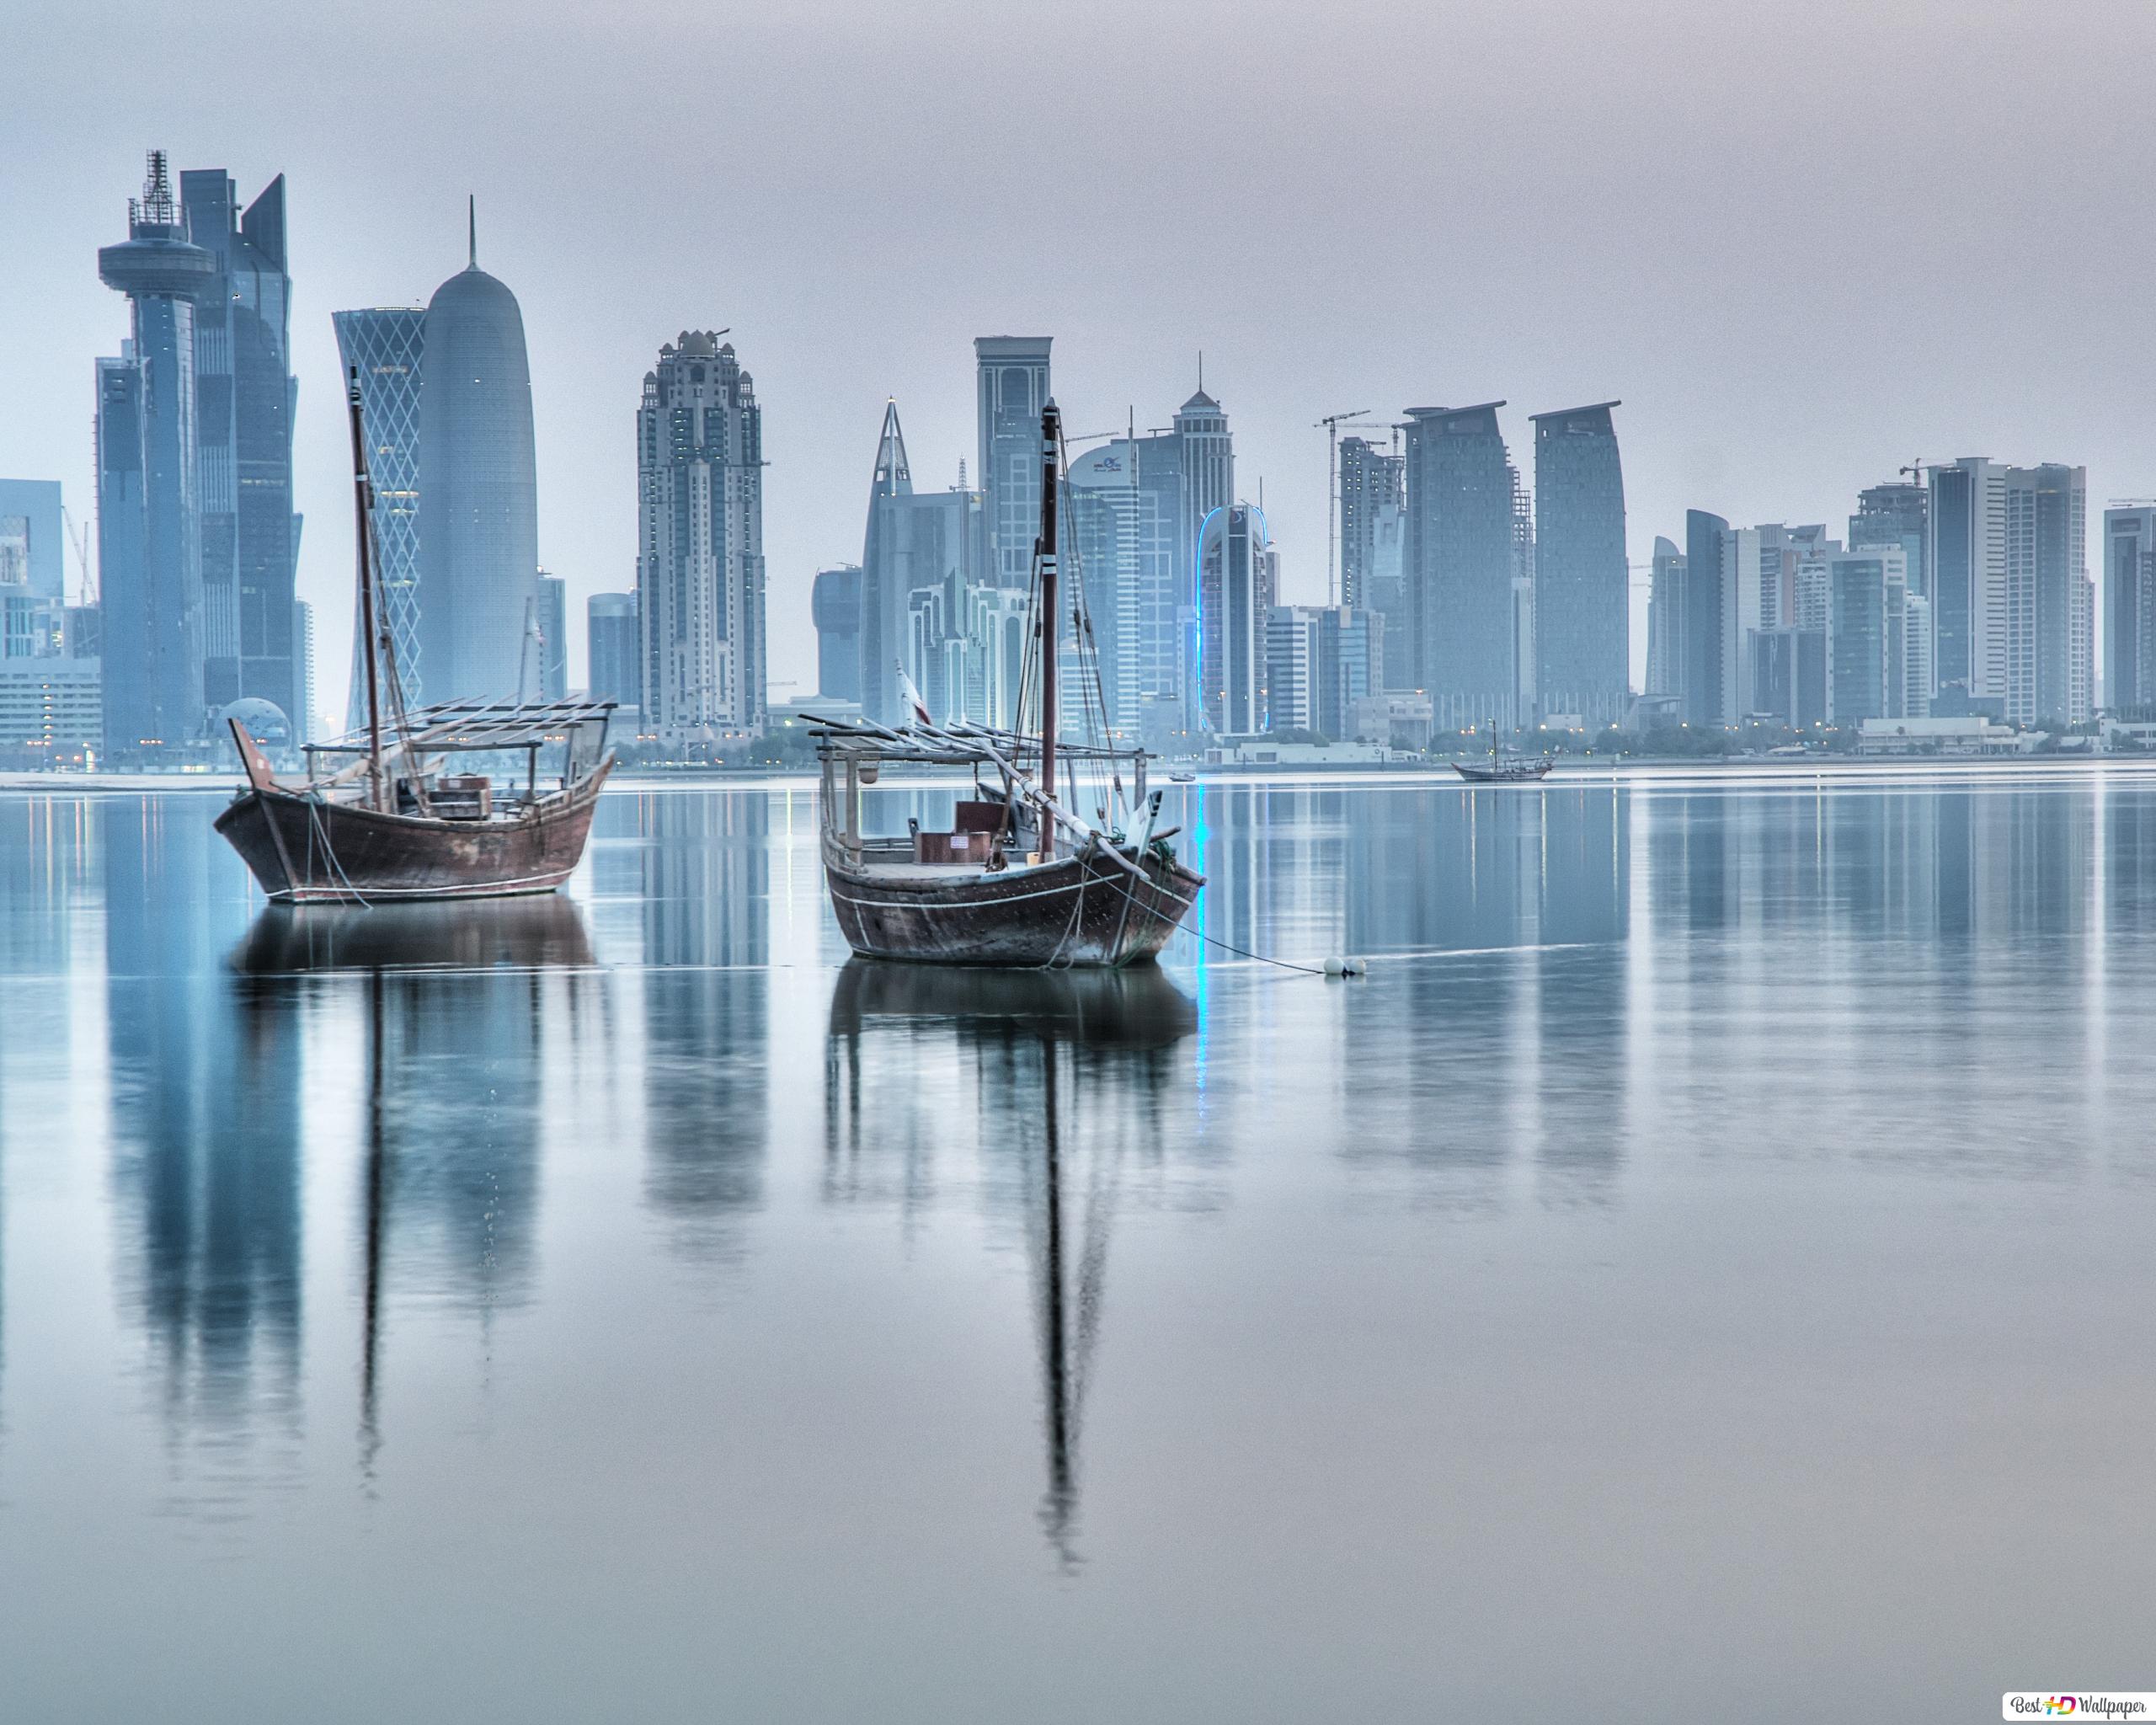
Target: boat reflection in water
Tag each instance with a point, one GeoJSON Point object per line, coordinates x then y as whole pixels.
{"type": "Point", "coordinates": [1072, 1069]}
{"type": "Point", "coordinates": [451, 1002]}
{"type": "Point", "coordinates": [474, 934]}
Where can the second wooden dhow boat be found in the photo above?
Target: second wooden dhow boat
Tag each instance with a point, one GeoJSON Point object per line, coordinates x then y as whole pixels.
{"type": "Point", "coordinates": [1022, 878]}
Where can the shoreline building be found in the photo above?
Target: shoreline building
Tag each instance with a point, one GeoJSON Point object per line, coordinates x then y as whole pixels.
{"type": "Point", "coordinates": [245, 396]}
{"type": "Point", "coordinates": [1665, 634]}
{"type": "Point", "coordinates": [1460, 562]}
{"type": "Point", "coordinates": [834, 604]}
{"type": "Point", "coordinates": [2130, 608]}
{"type": "Point", "coordinates": [1581, 606]}
{"type": "Point", "coordinates": [1238, 576]}
{"type": "Point", "coordinates": [1321, 662]}
{"type": "Point", "coordinates": [2012, 608]}
{"type": "Point", "coordinates": [385, 345]}
{"type": "Point", "coordinates": [1012, 385]}
{"type": "Point", "coordinates": [917, 575]}
{"type": "Point", "coordinates": [33, 571]}
{"type": "Point", "coordinates": [149, 527]}
{"type": "Point", "coordinates": [478, 504]}
{"type": "Point", "coordinates": [700, 566]}
{"type": "Point", "coordinates": [1373, 524]}
{"type": "Point", "coordinates": [613, 651]}
{"type": "Point", "coordinates": [553, 638]}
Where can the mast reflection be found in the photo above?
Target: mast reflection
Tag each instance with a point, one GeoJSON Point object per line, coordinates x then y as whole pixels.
{"type": "Point", "coordinates": [1070, 1070]}
{"type": "Point", "coordinates": [454, 1008]}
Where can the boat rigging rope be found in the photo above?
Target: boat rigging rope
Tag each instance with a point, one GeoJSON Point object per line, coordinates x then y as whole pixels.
{"type": "Point", "coordinates": [1210, 940]}
{"type": "Point", "coordinates": [315, 826]}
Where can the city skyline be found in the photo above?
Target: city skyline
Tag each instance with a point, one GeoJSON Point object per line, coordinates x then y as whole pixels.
{"type": "Point", "coordinates": [1557, 292]}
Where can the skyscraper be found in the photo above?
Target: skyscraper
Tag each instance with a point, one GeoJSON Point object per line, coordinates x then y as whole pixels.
{"type": "Point", "coordinates": [2049, 629]}
{"type": "Point", "coordinates": [1895, 514]}
{"type": "Point", "coordinates": [1459, 565]}
{"type": "Point", "coordinates": [384, 346]}
{"type": "Point", "coordinates": [1320, 661]}
{"type": "Point", "coordinates": [33, 574]}
{"type": "Point", "coordinates": [2130, 608]}
{"type": "Point", "coordinates": [1125, 513]}
{"type": "Point", "coordinates": [553, 637]}
{"type": "Point", "coordinates": [700, 573]}
{"type": "Point", "coordinates": [1866, 635]}
{"type": "Point", "coordinates": [1583, 605]}
{"type": "Point", "coordinates": [1012, 386]}
{"type": "Point", "coordinates": [149, 533]}
{"type": "Point", "coordinates": [1706, 635]}
{"type": "Point", "coordinates": [478, 489]}
{"type": "Point", "coordinates": [2012, 610]}
{"type": "Point", "coordinates": [1665, 622]}
{"type": "Point", "coordinates": [1372, 501]}
{"type": "Point", "coordinates": [245, 396]}
{"type": "Point", "coordinates": [613, 649]}
{"type": "Point", "coordinates": [1236, 579]}
{"type": "Point", "coordinates": [303, 714]}
{"type": "Point", "coordinates": [917, 565]}
{"type": "Point", "coordinates": [835, 601]}
{"type": "Point", "coordinates": [1967, 581]}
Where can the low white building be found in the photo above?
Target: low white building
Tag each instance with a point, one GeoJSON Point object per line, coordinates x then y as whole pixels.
{"type": "Point", "coordinates": [1942, 736]}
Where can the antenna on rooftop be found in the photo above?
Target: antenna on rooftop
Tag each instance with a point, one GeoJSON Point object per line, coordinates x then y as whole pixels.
{"type": "Point", "coordinates": [471, 216]}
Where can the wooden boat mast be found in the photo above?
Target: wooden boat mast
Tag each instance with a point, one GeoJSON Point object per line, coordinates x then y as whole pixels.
{"type": "Point", "coordinates": [1044, 548]}
{"type": "Point", "coordinates": [363, 507]}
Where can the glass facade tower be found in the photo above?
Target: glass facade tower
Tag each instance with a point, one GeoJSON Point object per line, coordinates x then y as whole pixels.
{"type": "Point", "coordinates": [1583, 602]}
{"type": "Point", "coordinates": [385, 345]}
{"type": "Point", "coordinates": [244, 398]}
{"type": "Point", "coordinates": [1460, 565]}
{"type": "Point", "coordinates": [149, 532]}
{"type": "Point", "coordinates": [1010, 374]}
{"type": "Point", "coordinates": [478, 491]}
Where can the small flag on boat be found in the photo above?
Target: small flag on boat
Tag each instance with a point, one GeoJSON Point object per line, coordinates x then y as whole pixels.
{"type": "Point", "coordinates": [911, 696]}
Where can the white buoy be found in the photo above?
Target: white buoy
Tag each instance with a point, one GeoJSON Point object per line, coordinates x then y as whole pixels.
{"type": "Point", "coordinates": [1335, 967]}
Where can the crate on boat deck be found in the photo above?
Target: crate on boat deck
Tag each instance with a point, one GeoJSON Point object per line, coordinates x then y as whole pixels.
{"type": "Point", "coordinates": [463, 796]}
{"type": "Point", "coordinates": [950, 847]}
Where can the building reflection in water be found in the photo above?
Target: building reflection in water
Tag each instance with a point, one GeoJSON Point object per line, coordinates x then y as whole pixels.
{"type": "Point", "coordinates": [205, 1073]}
{"type": "Point", "coordinates": [706, 1014]}
{"type": "Point", "coordinates": [1503, 1036]}
{"type": "Point", "coordinates": [1069, 1073]}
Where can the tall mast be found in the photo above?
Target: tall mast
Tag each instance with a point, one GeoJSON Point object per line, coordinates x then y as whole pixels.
{"type": "Point", "coordinates": [363, 507]}
{"type": "Point", "coordinates": [1051, 622]}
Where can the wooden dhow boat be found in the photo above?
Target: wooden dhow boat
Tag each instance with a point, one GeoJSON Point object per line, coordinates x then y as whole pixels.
{"type": "Point", "coordinates": [378, 817]}
{"type": "Point", "coordinates": [1022, 878]}
{"type": "Point", "coordinates": [1506, 768]}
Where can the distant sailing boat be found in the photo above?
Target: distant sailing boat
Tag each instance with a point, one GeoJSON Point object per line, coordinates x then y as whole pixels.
{"type": "Point", "coordinates": [1501, 770]}
{"type": "Point", "coordinates": [389, 823]}
{"type": "Point", "coordinates": [1022, 878]}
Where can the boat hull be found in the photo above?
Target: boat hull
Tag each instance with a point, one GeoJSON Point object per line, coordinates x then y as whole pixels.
{"type": "Point", "coordinates": [1503, 775]}
{"type": "Point", "coordinates": [1086, 910]}
{"type": "Point", "coordinates": [305, 851]}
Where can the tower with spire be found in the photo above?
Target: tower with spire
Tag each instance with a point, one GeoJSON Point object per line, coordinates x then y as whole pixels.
{"type": "Point", "coordinates": [478, 501]}
{"type": "Point", "coordinates": [149, 538]}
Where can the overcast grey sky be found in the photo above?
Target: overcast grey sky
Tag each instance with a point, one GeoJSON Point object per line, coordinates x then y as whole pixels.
{"type": "Point", "coordinates": [1803, 243]}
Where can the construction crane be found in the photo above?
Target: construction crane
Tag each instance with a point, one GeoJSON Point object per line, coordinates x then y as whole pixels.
{"type": "Point", "coordinates": [82, 556]}
{"type": "Point", "coordinates": [1331, 424]}
{"type": "Point", "coordinates": [1914, 470]}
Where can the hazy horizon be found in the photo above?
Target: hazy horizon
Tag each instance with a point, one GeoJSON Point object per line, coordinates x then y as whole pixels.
{"type": "Point", "coordinates": [1803, 246]}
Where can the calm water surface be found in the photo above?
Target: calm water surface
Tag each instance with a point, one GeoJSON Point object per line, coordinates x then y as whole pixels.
{"type": "Point", "coordinates": [1707, 1255]}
